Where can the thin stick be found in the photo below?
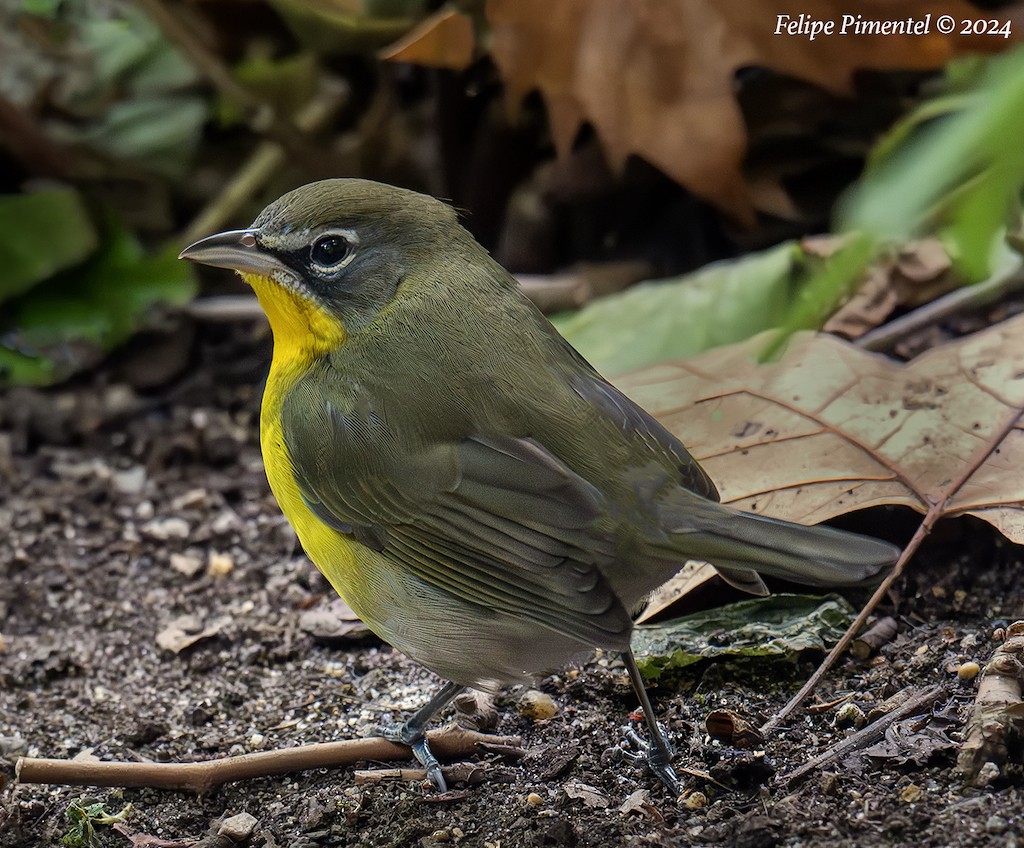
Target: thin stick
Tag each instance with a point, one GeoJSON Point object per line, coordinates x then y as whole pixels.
{"type": "Point", "coordinates": [935, 511]}
{"type": "Point", "coordinates": [864, 737]}
{"type": "Point", "coordinates": [449, 742]}
{"type": "Point", "coordinates": [840, 647]}
{"type": "Point", "coordinates": [980, 294]}
{"type": "Point", "coordinates": [471, 773]}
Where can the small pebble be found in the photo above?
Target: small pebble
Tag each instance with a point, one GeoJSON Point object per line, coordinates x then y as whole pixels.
{"type": "Point", "coordinates": [441, 836]}
{"type": "Point", "coordinates": [996, 824]}
{"type": "Point", "coordinates": [695, 801]}
{"type": "Point", "coordinates": [219, 565]}
{"type": "Point", "coordinates": [187, 564]}
{"type": "Point", "coordinates": [536, 705]}
{"type": "Point", "coordinates": [968, 671]}
{"type": "Point", "coordinates": [911, 793]}
{"type": "Point", "coordinates": [131, 481]}
{"type": "Point", "coordinates": [986, 774]}
{"type": "Point", "coordinates": [225, 522]}
{"type": "Point", "coordinates": [257, 741]}
{"type": "Point", "coordinates": [238, 828]}
{"type": "Point", "coordinates": [534, 800]}
{"type": "Point", "coordinates": [850, 715]}
{"type": "Point", "coordinates": [192, 498]}
{"type": "Point", "coordinates": [163, 529]}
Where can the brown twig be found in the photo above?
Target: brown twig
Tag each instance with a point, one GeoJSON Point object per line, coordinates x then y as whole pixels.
{"type": "Point", "coordinates": [448, 742]}
{"type": "Point", "coordinates": [935, 511]}
{"type": "Point", "coordinates": [996, 719]}
{"type": "Point", "coordinates": [576, 286]}
{"type": "Point", "coordinates": [864, 737]}
{"type": "Point", "coordinates": [469, 773]}
{"type": "Point", "coordinates": [549, 293]}
{"type": "Point", "coordinates": [814, 709]}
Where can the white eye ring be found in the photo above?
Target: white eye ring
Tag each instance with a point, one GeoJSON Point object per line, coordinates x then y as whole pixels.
{"type": "Point", "coordinates": [333, 250]}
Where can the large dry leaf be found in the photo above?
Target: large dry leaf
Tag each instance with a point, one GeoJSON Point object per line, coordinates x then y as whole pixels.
{"type": "Point", "coordinates": [829, 428]}
{"type": "Point", "coordinates": [656, 77]}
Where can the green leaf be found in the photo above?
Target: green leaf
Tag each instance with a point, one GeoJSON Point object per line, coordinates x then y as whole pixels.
{"type": "Point", "coordinates": [778, 627]}
{"type": "Point", "coordinates": [670, 319]}
{"type": "Point", "coordinates": [22, 369]}
{"type": "Point", "coordinates": [82, 815]}
{"type": "Point", "coordinates": [954, 167]}
{"type": "Point", "coordinates": [161, 132]}
{"type": "Point", "coordinates": [346, 27]}
{"type": "Point", "coordinates": [41, 233]}
{"type": "Point", "coordinates": [41, 8]}
{"type": "Point", "coordinates": [129, 51]}
{"type": "Point", "coordinates": [72, 320]}
{"type": "Point", "coordinates": [133, 98]}
{"type": "Point", "coordinates": [960, 175]}
{"type": "Point", "coordinates": [822, 290]}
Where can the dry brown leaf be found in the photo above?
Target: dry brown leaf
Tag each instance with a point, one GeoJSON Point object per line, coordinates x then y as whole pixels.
{"type": "Point", "coordinates": [656, 77]}
{"type": "Point", "coordinates": [186, 631]}
{"type": "Point", "coordinates": [444, 40]}
{"type": "Point", "coordinates": [919, 272]}
{"type": "Point", "coordinates": [830, 428]}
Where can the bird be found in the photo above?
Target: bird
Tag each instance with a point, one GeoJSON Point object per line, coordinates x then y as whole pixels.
{"type": "Point", "coordinates": [481, 497]}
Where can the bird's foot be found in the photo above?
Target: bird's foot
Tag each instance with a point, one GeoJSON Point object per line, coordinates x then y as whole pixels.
{"type": "Point", "coordinates": [414, 736]}
{"type": "Point", "coordinates": [655, 758]}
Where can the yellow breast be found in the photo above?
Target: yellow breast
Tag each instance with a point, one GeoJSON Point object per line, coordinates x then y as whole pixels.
{"type": "Point", "coordinates": [301, 333]}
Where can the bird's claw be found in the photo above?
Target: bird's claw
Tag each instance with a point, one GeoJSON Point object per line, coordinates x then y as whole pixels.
{"type": "Point", "coordinates": [657, 759]}
{"type": "Point", "coordinates": [416, 739]}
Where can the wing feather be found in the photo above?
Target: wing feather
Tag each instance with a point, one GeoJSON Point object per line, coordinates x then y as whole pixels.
{"type": "Point", "coordinates": [495, 521]}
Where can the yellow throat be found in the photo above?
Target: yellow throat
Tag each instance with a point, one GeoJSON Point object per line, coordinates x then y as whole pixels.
{"type": "Point", "coordinates": [302, 332]}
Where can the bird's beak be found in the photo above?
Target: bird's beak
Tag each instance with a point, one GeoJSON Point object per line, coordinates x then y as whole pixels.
{"type": "Point", "coordinates": [236, 250]}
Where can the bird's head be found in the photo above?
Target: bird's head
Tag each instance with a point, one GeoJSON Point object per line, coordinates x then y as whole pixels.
{"type": "Point", "coordinates": [327, 258]}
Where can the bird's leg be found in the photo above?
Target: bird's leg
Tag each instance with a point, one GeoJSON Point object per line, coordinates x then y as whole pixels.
{"type": "Point", "coordinates": [412, 732]}
{"type": "Point", "coordinates": [656, 755]}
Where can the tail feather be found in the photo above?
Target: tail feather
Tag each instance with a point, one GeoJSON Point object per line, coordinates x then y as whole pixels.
{"type": "Point", "coordinates": [742, 545]}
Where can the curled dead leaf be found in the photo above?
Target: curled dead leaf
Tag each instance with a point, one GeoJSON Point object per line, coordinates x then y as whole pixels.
{"type": "Point", "coordinates": [731, 728]}
{"type": "Point", "coordinates": [186, 631]}
{"type": "Point", "coordinates": [917, 273]}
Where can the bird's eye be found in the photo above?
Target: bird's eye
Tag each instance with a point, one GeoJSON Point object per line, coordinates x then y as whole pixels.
{"type": "Point", "coordinates": [330, 251]}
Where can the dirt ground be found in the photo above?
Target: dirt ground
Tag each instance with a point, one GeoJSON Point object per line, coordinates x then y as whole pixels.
{"type": "Point", "coordinates": [124, 512]}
